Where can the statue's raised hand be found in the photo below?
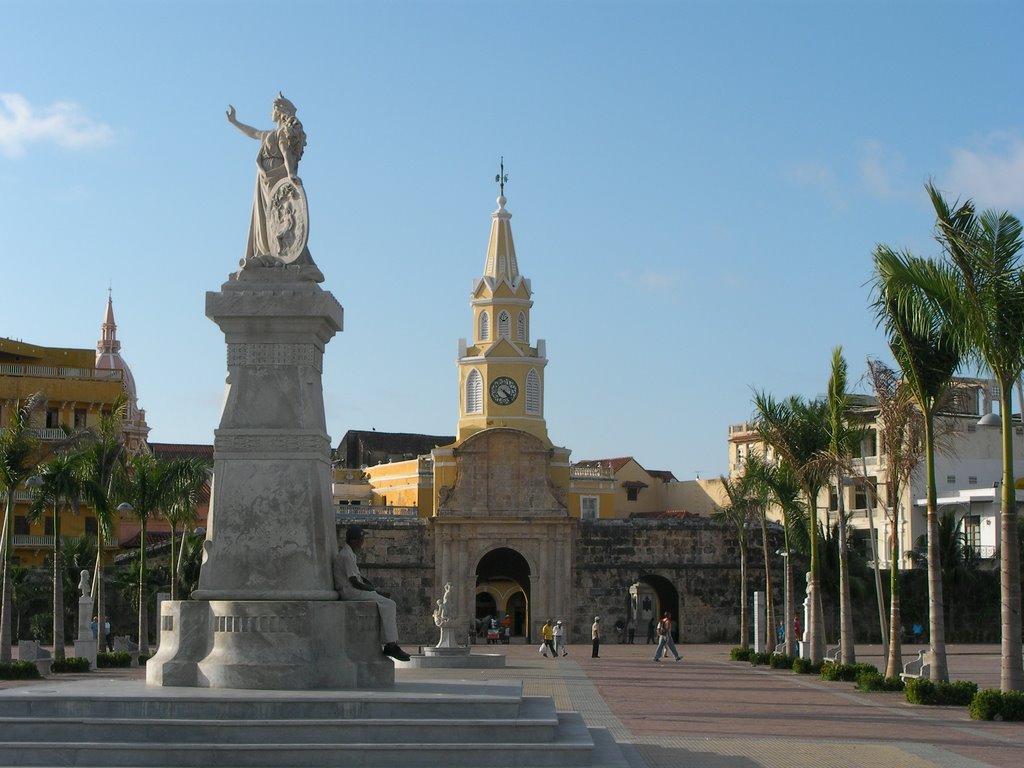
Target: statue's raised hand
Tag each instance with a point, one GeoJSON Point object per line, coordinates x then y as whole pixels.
{"type": "Point", "coordinates": [230, 113]}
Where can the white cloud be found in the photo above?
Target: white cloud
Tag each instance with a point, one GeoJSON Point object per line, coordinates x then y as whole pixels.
{"type": "Point", "coordinates": [991, 173]}
{"type": "Point", "coordinates": [62, 123]}
{"type": "Point", "coordinates": [821, 177]}
{"type": "Point", "coordinates": [880, 172]}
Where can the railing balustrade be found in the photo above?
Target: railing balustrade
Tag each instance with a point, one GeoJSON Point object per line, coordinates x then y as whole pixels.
{"type": "Point", "coordinates": [61, 372]}
{"type": "Point", "coordinates": [372, 510]}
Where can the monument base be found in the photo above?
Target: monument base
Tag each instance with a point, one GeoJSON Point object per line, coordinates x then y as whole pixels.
{"type": "Point", "coordinates": [270, 645]}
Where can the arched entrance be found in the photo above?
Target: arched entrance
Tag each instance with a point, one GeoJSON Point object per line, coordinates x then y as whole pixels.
{"type": "Point", "coordinates": [649, 597]}
{"type": "Point", "coordinates": [504, 575]}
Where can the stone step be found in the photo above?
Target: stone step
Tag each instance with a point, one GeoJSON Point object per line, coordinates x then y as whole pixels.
{"type": "Point", "coordinates": [572, 746]}
{"type": "Point", "coordinates": [536, 721]}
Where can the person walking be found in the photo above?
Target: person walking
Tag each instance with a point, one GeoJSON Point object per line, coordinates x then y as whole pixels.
{"type": "Point", "coordinates": [665, 640]}
{"type": "Point", "coordinates": [595, 636]}
{"type": "Point", "coordinates": [547, 634]}
{"type": "Point", "coordinates": [559, 633]}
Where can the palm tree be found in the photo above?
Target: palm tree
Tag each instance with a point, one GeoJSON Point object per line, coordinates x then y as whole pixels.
{"type": "Point", "coordinates": [913, 303]}
{"type": "Point", "coordinates": [104, 456]}
{"type": "Point", "coordinates": [784, 492]}
{"type": "Point", "coordinates": [796, 429]}
{"type": "Point", "coordinates": [902, 442]}
{"type": "Point", "coordinates": [146, 489]}
{"type": "Point", "coordinates": [987, 307]}
{"type": "Point", "coordinates": [59, 487]}
{"type": "Point", "coordinates": [181, 509]}
{"type": "Point", "coordinates": [843, 438]}
{"type": "Point", "coordinates": [18, 454]}
{"type": "Point", "coordinates": [737, 513]}
{"type": "Point", "coordinates": [756, 469]}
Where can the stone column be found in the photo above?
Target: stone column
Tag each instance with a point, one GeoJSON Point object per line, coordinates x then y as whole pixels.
{"type": "Point", "coordinates": [760, 615]}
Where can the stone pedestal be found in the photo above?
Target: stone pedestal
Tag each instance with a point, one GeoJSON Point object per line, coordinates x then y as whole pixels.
{"type": "Point", "coordinates": [85, 643]}
{"type": "Point", "coordinates": [266, 615]}
{"type": "Point", "coordinates": [270, 645]}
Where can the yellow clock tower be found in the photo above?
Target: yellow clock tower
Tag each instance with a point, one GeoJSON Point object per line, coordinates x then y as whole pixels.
{"type": "Point", "coordinates": [501, 376]}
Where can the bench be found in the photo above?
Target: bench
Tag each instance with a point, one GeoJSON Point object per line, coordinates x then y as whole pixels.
{"type": "Point", "coordinates": [30, 650]}
{"type": "Point", "coordinates": [919, 667]}
{"type": "Point", "coordinates": [832, 655]}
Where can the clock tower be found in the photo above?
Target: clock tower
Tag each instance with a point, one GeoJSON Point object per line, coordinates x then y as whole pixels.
{"type": "Point", "coordinates": [501, 376]}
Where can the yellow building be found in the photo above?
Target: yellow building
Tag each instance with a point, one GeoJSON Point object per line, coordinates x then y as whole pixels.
{"type": "Point", "coordinates": [79, 386]}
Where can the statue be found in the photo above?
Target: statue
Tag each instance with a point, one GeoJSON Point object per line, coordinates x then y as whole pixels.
{"type": "Point", "coordinates": [279, 230]}
{"type": "Point", "coordinates": [83, 584]}
{"type": "Point", "coordinates": [442, 613]}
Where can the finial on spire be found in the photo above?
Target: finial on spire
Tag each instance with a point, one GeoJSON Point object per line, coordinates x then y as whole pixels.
{"type": "Point", "coordinates": [502, 177]}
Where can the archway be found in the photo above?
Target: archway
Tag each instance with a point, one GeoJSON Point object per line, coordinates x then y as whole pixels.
{"type": "Point", "coordinates": [505, 574]}
{"type": "Point", "coordinates": [649, 597]}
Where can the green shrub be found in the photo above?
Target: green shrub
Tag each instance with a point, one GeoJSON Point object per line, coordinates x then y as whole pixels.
{"type": "Point", "coordinates": [760, 658]}
{"type": "Point", "coordinates": [845, 672]}
{"type": "Point", "coordinates": [1013, 705]}
{"type": "Point", "coordinates": [923, 691]}
{"type": "Point", "coordinates": [70, 664]}
{"type": "Point", "coordinates": [111, 660]}
{"type": "Point", "coordinates": [986, 705]}
{"type": "Point", "coordinates": [959, 693]}
{"type": "Point", "coordinates": [871, 680]}
{"type": "Point", "coordinates": [19, 670]}
{"type": "Point", "coordinates": [144, 657]}
{"type": "Point", "coordinates": [741, 654]}
{"type": "Point", "coordinates": [781, 661]}
{"type": "Point", "coordinates": [805, 667]}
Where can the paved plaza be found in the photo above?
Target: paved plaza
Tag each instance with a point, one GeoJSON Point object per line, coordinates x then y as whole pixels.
{"type": "Point", "coordinates": [709, 712]}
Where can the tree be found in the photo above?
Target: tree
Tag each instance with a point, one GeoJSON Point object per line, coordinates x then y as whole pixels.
{"type": "Point", "coordinates": [901, 436]}
{"type": "Point", "coordinates": [796, 429]}
{"type": "Point", "coordinates": [146, 489]}
{"type": "Point", "coordinates": [844, 438]}
{"type": "Point", "coordinates": [913, 301]}
{"type": "Point", "coordinates": [60, 487]}
{"type": "Point", "coordinates": [19, 449]}
{"type": "Point", "coordinates": [756, 469]}
{"type": "Point", "coordinates": [986, 306]}
{"type": "Point", "coordinates": [104, 457]}
{"type": "Point", "coordinates": [192, 476]}
{"type": "Point", "coordinates": [738, 513]}
{"type": "Point", "coordinates": [959, 561]}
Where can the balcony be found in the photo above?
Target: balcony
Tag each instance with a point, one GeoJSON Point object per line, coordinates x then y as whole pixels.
{"type": "Point", "coordinates": [60, 372]}
{"type": "Point", "coordinates": [348, 511]}
{"type": "Point", "coordinates": [46, 542]}
{"type": "Point", "coordinates": [577, 472]}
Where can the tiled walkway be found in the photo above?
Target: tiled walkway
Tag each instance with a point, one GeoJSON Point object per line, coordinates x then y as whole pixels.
{"type": "Point", "coordinates": [708, 712]}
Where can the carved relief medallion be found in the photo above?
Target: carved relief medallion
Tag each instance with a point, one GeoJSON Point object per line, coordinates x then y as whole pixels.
{"type": "Point", "coordinates": [287, 220]}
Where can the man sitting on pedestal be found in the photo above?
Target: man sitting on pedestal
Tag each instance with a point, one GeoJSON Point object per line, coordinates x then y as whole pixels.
{"type": "Point", "coordinates": [352, 586]}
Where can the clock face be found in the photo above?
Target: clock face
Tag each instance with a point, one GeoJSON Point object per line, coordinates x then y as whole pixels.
{"type": "Point", "coordinates": [504, 390]}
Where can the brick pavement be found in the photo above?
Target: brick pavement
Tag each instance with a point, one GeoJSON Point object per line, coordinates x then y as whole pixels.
{"type": "Point", "coordinates": [708, 712]}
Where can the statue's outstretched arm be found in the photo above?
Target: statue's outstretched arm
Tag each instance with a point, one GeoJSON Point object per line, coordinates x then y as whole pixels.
{"type": "Point", "coordinates": [248, 130]}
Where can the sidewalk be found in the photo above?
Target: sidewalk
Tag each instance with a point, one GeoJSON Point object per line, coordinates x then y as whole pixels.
{"type": "Point", "coordinates": [708, 712]}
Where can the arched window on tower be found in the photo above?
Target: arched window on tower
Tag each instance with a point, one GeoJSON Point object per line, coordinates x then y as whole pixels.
{"type": "Point", "coordinates": [521, 327]}
{"type": "Point", "coordinates": [533, 399]}
{"type": "Point", "coordinates": [485, 326]}
{"type": "Point", "coordinates": [474, 392]}
{"type": "Point", "coordinates": [504, 324]}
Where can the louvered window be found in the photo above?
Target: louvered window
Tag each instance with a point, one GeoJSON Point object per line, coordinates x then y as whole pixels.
{"type": "Point", "coordinates": [474, 392]}
{"type": "Point", "coordinates": [521, 327]}
{"type": "Point", "coordinates": [485, 326]}
{"type": "Point", "coordinates": [504, 323]}
{"type": "Point", "coordinates": [533, 392]}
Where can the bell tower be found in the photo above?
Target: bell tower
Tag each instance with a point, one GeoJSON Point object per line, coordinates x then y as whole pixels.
{"type": "Point", "coordinates": [501, 376]}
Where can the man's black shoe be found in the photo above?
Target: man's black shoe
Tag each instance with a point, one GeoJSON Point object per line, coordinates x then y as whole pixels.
{"type": "Point", "coordinates": [392, 650]}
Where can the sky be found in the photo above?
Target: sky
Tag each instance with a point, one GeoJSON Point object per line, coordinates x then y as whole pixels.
{"type": "Point", "coordinates": [696, 189]}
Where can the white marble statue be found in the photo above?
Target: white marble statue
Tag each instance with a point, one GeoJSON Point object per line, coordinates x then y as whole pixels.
{"type": "Point", "coordinates": [279, 229]}
{"type": "Point", "coordinates": [442, 613]}
{"type": "Point", "coordinates": [83, 584]}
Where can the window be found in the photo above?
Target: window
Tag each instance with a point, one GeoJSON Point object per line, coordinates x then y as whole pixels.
{"type": "Point", "coordinates": [504, 323]}
{"type": "Point", "coordinates": [474, 392]}
{"type": "Point", "coordinates": [485, 326]}
{"type": "Point", "coordinates": [972, 531]}
{"type": "Point", "coordinates": [533, 392]}
{"type": "Point", "coordinates": [52, 418]}
{"type": "Point", "coordinates": [951, 479]}
{"type": "Point", "coordinates": [521, 327]}
{"type": "Point", "coordinates": [91, 528]}
{"type": "Point", "coordinates": [860, 496]}
{"type": "Point", "coordinates": [20, 525]}
{"type": "Point", "coordinates": [972, 480]}
{"type": "Point", "coordinates": [80, 418]}
{"type": "Point", "coordinates": [833, 498]}
{"type": "Point", "coordinates": [588, 507]}
{"type": "Point", "coordinates": [632, 493]}
{"type": "Point", "coordinates": [48, 526]}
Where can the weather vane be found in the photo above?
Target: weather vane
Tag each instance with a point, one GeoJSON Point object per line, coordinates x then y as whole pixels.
{"type": "Point", "coordinates": [502, 177]}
